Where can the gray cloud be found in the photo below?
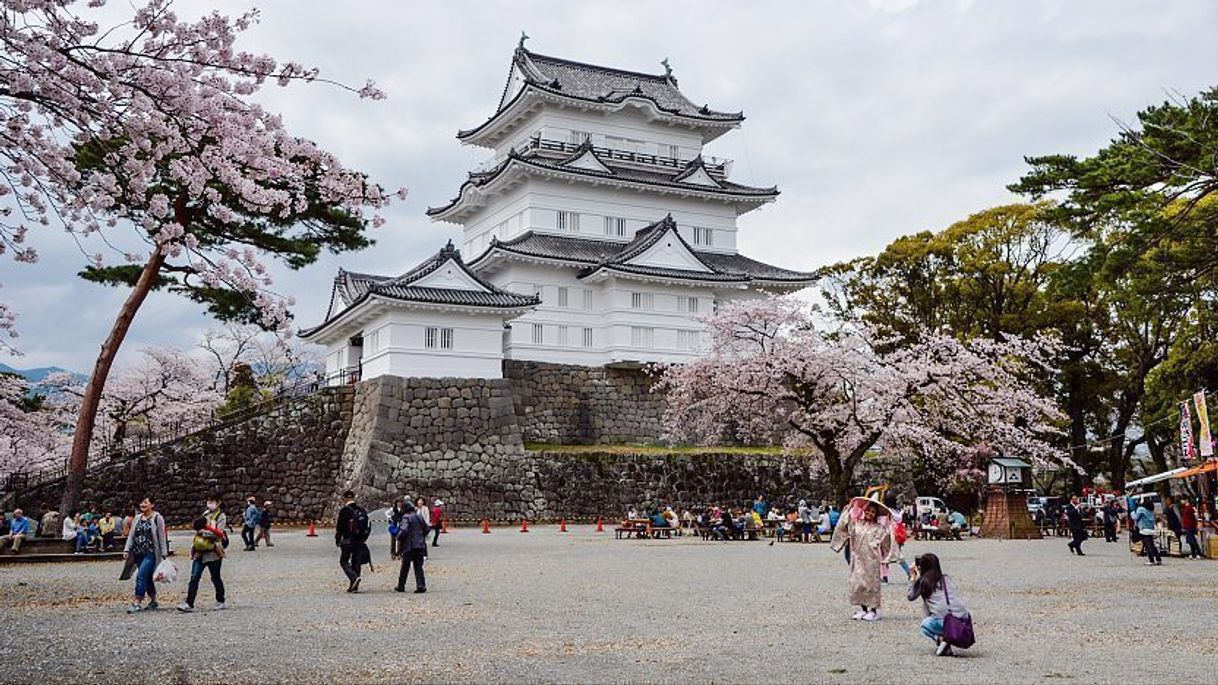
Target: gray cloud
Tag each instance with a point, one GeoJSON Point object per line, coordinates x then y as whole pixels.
{"type": "Point", "coordinates": [875, 119]}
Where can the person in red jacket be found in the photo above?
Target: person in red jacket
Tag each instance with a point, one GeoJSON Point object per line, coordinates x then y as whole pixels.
{"type": "Point", "coordinates": [1188, 524]}
{"type": "Point", "coordinates": [437, 519]}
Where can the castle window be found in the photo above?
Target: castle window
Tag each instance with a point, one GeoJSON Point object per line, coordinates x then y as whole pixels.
{"type": "Point", "coordinates": [562, 336]}
{"type": "Point", "coordinates": [642, 337]}
{"type": "Point", "coordinates": [435, 337]}
{"type": "Point", "coordinates": [538, 334]}
{"type": "Point", "coordinates": [615, 226]}
{"type": "Point", "coordinates": [645, 301]}
{"type": "Point", "coordinates": [568, 221]}
{"type": "Point", "coordinates": [562, 296]}
{"type": "Point", "coordinates": [703, 236]}
{"type": "Point", "coordinates": [587, 337]}
{"type": "Point", "coordinates": [587, 299]}
{"type": "Point", "coordinates": [687, 304]}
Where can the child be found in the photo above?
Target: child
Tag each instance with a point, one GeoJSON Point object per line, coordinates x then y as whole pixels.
{"type": "Point", "coordinates": [206, 551]}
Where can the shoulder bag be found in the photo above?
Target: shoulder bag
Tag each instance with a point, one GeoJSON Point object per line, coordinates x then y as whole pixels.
{"type": "Point", "coordinates": [957, 632]}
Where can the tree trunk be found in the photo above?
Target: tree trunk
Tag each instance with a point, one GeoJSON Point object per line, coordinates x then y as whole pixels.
{"type": "Point", "coordinates": [78, 462]}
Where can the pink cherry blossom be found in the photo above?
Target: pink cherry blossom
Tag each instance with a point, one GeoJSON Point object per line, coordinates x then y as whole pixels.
{"type": "Point", "coordinates": [777, 370]}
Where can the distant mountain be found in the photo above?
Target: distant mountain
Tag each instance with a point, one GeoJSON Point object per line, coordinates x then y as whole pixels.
{"type": "Point", "coordinates": [40, 374]}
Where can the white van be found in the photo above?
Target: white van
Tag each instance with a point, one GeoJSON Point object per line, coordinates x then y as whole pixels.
{"type": "Point", "coordinates": [932, 505]}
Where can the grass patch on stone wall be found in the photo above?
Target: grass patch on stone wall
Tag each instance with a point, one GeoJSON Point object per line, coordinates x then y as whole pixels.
{"type": "Point", "coordinates": [649, 449]}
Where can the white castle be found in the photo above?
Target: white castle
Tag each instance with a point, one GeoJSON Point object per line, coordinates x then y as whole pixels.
{"type": "Point", "coordinates": [600, 233]}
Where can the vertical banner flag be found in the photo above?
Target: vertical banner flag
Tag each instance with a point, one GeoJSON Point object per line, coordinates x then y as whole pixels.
{"type": "Point", "coordinates": [1186, 431]}
{"type": "Point", "coordinates": [1203, 437]}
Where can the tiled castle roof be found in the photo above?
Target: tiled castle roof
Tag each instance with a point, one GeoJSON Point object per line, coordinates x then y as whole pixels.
{"type": "Point", "coordinates": [597, 84]}
{"type": "Point", "coordinates": [637, 177]}
{"type": "Point", "coordinates": [351, 288]}
{"type": "Point", "coordinates": [595, 255]}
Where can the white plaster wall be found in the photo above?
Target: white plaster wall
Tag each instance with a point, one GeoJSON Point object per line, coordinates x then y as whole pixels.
{"type": "Point", "coordinates": [400, 345]}
{"type": "Point", "coordinates": [534, 205]}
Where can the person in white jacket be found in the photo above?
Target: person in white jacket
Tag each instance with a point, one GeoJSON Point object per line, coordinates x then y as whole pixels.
{"type": "Point", "coordinates": [69, 527]}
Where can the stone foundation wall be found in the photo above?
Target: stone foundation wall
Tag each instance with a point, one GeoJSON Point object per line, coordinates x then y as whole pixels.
{"type": "Point", "coordinates": [289, 455]}
{"type": "Point", "coordinates": [582, 405]}
{"type": "Point", "coordinates": [452, 438]}
{"type": "Point", "coordinates": [591, 484]}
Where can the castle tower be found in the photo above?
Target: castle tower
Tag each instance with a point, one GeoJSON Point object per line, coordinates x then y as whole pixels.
{"type": "Point", "coordinates": [596, 234]}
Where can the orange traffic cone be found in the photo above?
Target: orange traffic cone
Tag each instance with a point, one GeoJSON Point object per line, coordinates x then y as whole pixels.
{"type": "Point", "coordinates": [600, 524]}
{"type": "Point", "coordinates": [562, 525]}
{"type": "Point", "coordinates": [312, 530]}
{"type": "Point", "coordinates": [443, 525]}
{"type": "Point", "coordinates": [524, 525]}
{"type": "Point", "coordinates": [486, 526]}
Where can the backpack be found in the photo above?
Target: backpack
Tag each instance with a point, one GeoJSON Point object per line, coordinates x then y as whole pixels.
{"type": "Point", "coordinates": [358, 527]}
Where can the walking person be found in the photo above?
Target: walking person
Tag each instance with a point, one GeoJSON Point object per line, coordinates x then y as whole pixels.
{"type": "Point", "coordinates": [1144, 524]}
{"type": "Point", "coordinates": [147, 545]}
{"type": "Point", "coordinates": [939, 598]}
{"type": "Point", "coordinates": [18, 530]}
{"type": "Point", "coordinates": [206, 552]}
{"type": "Point", "coordinates": [412, 532]}
{"type": "Point", "coordinates": [351, 533]}
{"type": "Point", "coordinates": [437, 521]}
{"type": "Point", "coordinates": [865, 526]}
{"type": "Point", "coordinates": [265, 519]}
{"type": "Point", "coordinates": [1111, 515]}
{"type": "Point", "coordinates": [1188, 520]}
{"type": "Point", "coordinates": [250, 522]}
{"type": "Point", "coordinates": [1078, 532]}
{"type": "Point", "coordinates": [1172, 520]}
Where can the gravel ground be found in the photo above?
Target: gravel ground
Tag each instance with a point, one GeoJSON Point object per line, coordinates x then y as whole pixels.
{"type": "Point", "coordinates": [585, 607]}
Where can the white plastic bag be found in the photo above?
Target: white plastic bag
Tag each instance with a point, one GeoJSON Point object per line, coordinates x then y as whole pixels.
{"type": "Point", "coordinates": [165, 572]}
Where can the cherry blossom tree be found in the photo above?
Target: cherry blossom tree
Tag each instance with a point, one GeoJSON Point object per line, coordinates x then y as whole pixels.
{"type": "Point", "coordinates": [164, 391]}
{"type": "Point", "coordinates": [34, 429]}
{"type": "Point", "coordinates": [145, 134]}
{"type": "Point", "coordinates": [274, 360]}
{"type": "Point", "coordinates": [774, 367]}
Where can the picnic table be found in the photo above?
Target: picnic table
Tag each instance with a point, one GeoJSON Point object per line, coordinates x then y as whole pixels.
{"type": "Point", "coordinates": [641, 529]}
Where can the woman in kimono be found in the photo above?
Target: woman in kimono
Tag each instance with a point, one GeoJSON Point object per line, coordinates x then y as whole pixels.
{"type": "Point", "coordinates": [866, 527]}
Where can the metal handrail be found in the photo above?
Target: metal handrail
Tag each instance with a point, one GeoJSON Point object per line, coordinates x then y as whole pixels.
{"type": "Point", "coordinates": [714, 166]}
{"type": "Point", "coordinates": [134, 446]}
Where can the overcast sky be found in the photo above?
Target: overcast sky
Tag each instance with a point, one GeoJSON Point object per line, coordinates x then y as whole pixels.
{"type": "Point", "coordinates": [875, 119]}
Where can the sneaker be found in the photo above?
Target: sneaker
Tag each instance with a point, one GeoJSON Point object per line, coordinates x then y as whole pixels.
{"type": "Point", "coordinates": [134, 608]}
{"type": "Point", "coordinates": [152, 606]}
{"type": "Point", "coordinates": [1150, 563]}
{"type": "Point", "coordinates": [77, 553]}
{"type": "Point", "coordinates": [219, 606]}
{"type": "Point", "coordinates": [354, 585]}
{"type": "Point", "coordinates": [943, 649]}
{"type": "Point", "coordinates": [871, 616]}
{"type": "Point", "coordinates": [399, 589]}
{"type": "Point", "coordinates": [946, 652]}
{"type": "Point", "coordinates": [185, 608]}
{"type": "Point", "coordinates": [858, 615]}
{"type": "Point", "coordinates": [419, 591]}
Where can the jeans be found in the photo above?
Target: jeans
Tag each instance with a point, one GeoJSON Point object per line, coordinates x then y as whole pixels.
{"type": "Point", "coordinates": [144, 585]}
{"type": "Point", "coordinates": [107, 540]}
{"type": "Point", "coordinates": [82, 541]}
{"type": "Point", "coordinates": [932, 627]}
{"type": "Point", "coordinates": [1152, 551]}
{"type": "Point", "coordinates": [247, 535]}
{"type": "Point", "coordinates": [1190, 536]}
{"type": "Point", "coordinates": [412, 557]}
{"type": "Point", "coordinates": [435, 540]}
{"type": "Point", "coordinates": [196, 573]}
